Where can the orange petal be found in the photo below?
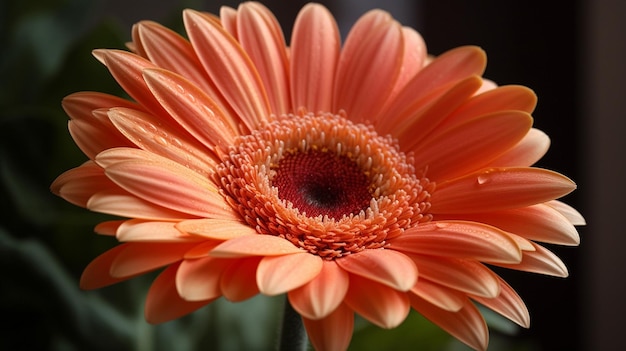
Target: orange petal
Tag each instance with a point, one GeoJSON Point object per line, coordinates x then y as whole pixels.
{"type": "Point", "coordinates": [163, 303]}
{"type": "Point", "coordinates": [280, 274]}
{"type": "Point", "coordinates": [172, 186]}
{"type": "Point", "coordinates": [467, 325]}
{"type": "Point", "coordinates": [443, 297]}
{"type": "Point", "coordinates": [228, 18]}
{"type": "Point", "coordinates": [120, 203]}
{"type": "Point", "coordinates": [315, 47]}
{"type": "Point", "coordinates": [318, 298]}
{"type": "Point", "coordinates": [261, 36]}
{"type": "Point", "coordinates": [194, 110]}
{"type": "Point", "coordinates": [152, 231]}
{"type": "Point", "coordinates": [471, 145]}
{"type": "Point", "coordinates": [375, 40]}
{"type": "Point", "coordinates": [568, 211]}
{"type": "Point", "coordinates": [388, 267]}
{"type": "Point", "coordinates": [255, 245]}
{"type": "Point", "coordinates": [79, 184]}
{"type": "Point", "coordinates": [218, 229]}
{"type": "Point", "coordinates": [108, 227]}
{"type": "Point", "coordinates": [91, 138]}
{"type": "Point", "coordinates": [238, 281]}
{"type": "Point", "coordinates": [526, 152]}
{"type": "Point", "coordinates": [333, 332]}
{"type": "Point", "coordinates": [97, 274]}
{"type": "Point", "coordinates": [541, 261]}
{"type": "Point", "coordinates": [508, 304]}
{"type": "Point", "coordinates": [459, 239]}
{"type": "Point", "coordinates": [384, 306]}
{"type": "Point", "coordinates": [139, 258]}
{"type": "Point", "coordinates": [464, 275]}
{"type": "Point", "coordinates": [499, 189]}
{"type": "Point", "coordinates": [230, 68]}
{"type": "Point", "coordinates": [199, 279]}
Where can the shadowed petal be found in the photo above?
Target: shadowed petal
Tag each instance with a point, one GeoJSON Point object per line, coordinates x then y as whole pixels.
{"type": "Point", "coordinates": [508, 304]}
{"type": "Point", "coordinates": [384, 306]}
{"type": "Point", "coordinates": [230, 68]}
{"type": "Point", "coordinates": [255, 245]}
{"type": "Point", "coordinates": [199, 279]}
{"type": "Point", "coordinates": [97, 274]}
{"type": "Point", "coordinates": [315, 47]}
{"type": "Point", "coordinates": [498, 189]}
{"type": "Point", "coordinates": [467, 324]}
{"type": "Point", "coordinates": [388, 267]}
{"type": "Point", "coordinates": [332, 332]}
{"type": "Point", "coordinates": [163, 302]}
{"type": "Point", "coordinates": [459, 239]}
{"type": "Point", "coordinates": [443, 297]}
{"type": "Point", "coordinates": [541, 261]}
{"type": "Point", "coordinates": [108, 227]}
{"type": "Point", "coordinates": [218, 229]}
{"type": "Point", "coordinates": [322, 295]}
{"type": "Point", "coordinates": [238, 281]}
{"type": "Point", "coordinates": [280, 274]}
{"type": "Point", "coordinates": [139, 258]}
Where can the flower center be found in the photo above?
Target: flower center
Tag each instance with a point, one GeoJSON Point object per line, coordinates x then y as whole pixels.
{"type": "Point", "coordinates": [327, 185]}
{"type": "Point", "coordinates": [322, 183]}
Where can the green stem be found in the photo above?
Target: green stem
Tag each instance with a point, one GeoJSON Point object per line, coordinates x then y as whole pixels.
{"type": "Point", "coordinates": [292, 335]}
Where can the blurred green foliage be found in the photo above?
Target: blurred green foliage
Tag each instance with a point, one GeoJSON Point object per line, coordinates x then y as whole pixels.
{"type": "Point", "coordinates": [45, 242]}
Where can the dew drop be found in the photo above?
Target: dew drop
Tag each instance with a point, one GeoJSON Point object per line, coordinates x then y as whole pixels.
{"type": "Point", "coordinates": [440, 225]}
{"type": "Point", "coordinates": [161, 140]}
{"type": "Point", "coordinates": [180, 88]}
{"type": "Point", "coordinates": [483, 179]}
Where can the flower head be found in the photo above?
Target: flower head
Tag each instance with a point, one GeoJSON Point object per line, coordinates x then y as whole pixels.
{"type": "Point", "coordinates": [357, 178]}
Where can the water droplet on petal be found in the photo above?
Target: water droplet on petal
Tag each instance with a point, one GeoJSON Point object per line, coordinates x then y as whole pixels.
{"type": "Point", "coordinates": [483, 179]}
{"type": "Point", "coordinates": [161, 140]}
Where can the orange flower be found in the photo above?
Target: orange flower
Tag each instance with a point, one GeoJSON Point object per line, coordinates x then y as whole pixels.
{"type": "Point", "coordinates": [359, 178]}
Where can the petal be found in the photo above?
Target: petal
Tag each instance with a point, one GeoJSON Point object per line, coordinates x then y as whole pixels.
{"type": "Point", "coordinates": [388, 267]}
{"type": "Point", "coordinates": [108, 227]}
{"type": "Point", "coordinates": [541, 261]}
{"type": "Point", "coordinates": [430, 83]}
{"type": "Point", "coordinates": [91, 139]}
{"type": "Point", "coordinates": [315, 47]}
{"type": "Point", "coordinates": [139, 258]}
{"type": "Point", "coordinates": [526, 152]}
{"type": "Point", "coordinates": [120, 203]}
{"type": "Point", "coordinates": [470, 146]}
{"type": "Point", "coordinates": [170, 185]}
{"type": "Point", "coordinates": [218, 229]}
{"type": "Point", "coordinates": [228, 17]}
{"type": "Point", "coordinates": [443, 297]}
{"type": "Point", "coordinates": [77, 185]}
{"type": "Point", "coordinates": [140, 230]}
{"type": "Point", "coordinates": [238, 282]}
{"type": "Point", "coordinates": [150, 134]}
{"type": "Point", "coordinates": [280, 274]}
{"type": "Point", "coordinates": [384, 306]}
{"type": "Point", "coordinates": [163, 303]}
{"type": "Point", "coordinates": [539, 222]}
{"type": "Point", "coordinates": [375, 40]}
{"type": "Point", "coordinates": [467, 325]}
{"type": "Point", "coordinates": [508, 304]}
{"type": "Point", "coordinates": [261, 36]}
{"type": "Point", "coordinates": [97, 274]}
{"type": "Point", "coordinates": [459, 239]}
{"type": "Point", "coordinates": [499, 189]}
{"type": "Point", "coordinates": [333, 332]}
{"type": "Point", "coordinates": [321, 296]}
{"type": "Point", "coordinates": [195, 111]}
{"type": "Point", "coordinates": [230, 68]}
{"type": "Point", "coordinates": [464, 275]}
{"type": "Point", "coordinates": [568, 211]}
{"type": "Point", "coordinates": [199, 279]}
{"type": "Point", "coordinates": [255, 245]}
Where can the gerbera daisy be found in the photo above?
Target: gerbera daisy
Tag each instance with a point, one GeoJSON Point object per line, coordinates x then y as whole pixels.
{"type": "Point", "coordinates": [359, 178]}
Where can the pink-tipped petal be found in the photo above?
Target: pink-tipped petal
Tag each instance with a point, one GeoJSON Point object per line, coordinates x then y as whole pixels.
{"type": "Point", "coordinates": [384, 306]}
{"type": "Point", "coordinates": [375, 40]}
{"type": "Point", "coordinates": [498, 189]}
{"type": "Point", "coordinates": [388, 267]}
{"type": "Point", "coordinates": [541, 261]}
{"type": "Point", "coordinates": [321, 296]}
{"type": "Point", "coordinates": [229, 67]}
{"type": "Point", "coordinates": [443, 297]}
{"type": "Point", "coordinates": [255, 245]}
{"type": "Point", "coordinates": [280, 274]}
{"type": "Point", "coordinates": [315, 47]}
{"type": "Point", "coordinates": [333, 332]}
{"type": "Point", "coordinates": [139, 258]}
{"type": "Point", "coordinates": [467, 324]}
{"type": "Point", "coordinates": [199, 279]}
{"type": "Point", "coordinates": [218, 229]}
{"type": "Point", "coordinates": [471, 145]}
{"type": "Point", "coordinates": [163, 303]}
{"type": "Point", "coordinates": [238, 281]}
{"type": "Point", "coordinates": [508, 304]}
{"type": "Point", "coordinates": [464, 275]}
{"type": "Point", "coordinates": [460, 239]}
{"type": "Point", "coordinates": [261, 36]}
